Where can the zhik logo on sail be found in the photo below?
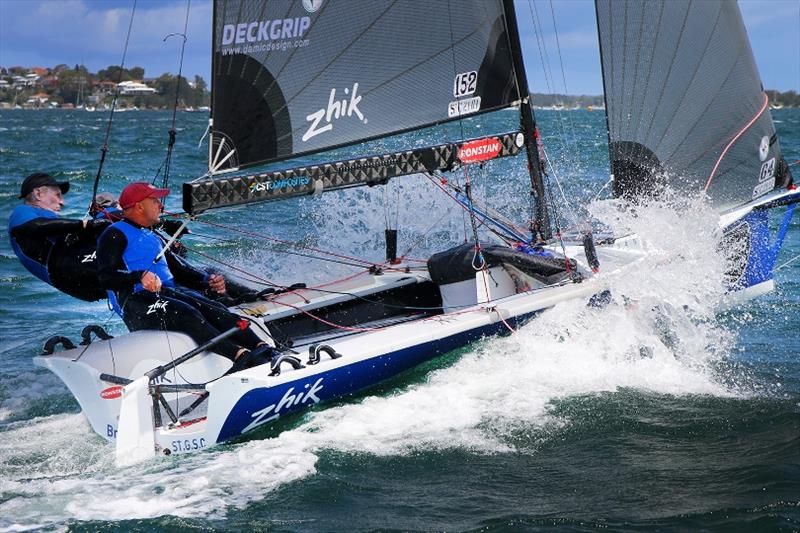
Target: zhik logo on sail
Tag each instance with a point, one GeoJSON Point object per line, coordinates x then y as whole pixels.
{"type": "Point", "coordinates": [322, 119]}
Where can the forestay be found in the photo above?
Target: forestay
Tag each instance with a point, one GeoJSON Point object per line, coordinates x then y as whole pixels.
{"type": "Point", "coordinates": [684, 102]}
{"type": "Point", "coordinates": [296, 77]}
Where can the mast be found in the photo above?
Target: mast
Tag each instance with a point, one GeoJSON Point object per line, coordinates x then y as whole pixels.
{"type": "Point", "coordinates": [541, 216]}
{"type": "Point", "coordinates": [211, 88]}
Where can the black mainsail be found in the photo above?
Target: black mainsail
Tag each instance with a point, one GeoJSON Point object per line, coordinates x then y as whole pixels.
{"type": "Point", "coordinates": [684, 102]}
{"type": "Point", "coordinates": [291, 78]}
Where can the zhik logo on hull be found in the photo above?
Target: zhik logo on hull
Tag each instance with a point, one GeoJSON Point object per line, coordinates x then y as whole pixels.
{"type": "Point", "coordinates": [290, 398]}
{"type": "Point", "coordinates": [335, 110]}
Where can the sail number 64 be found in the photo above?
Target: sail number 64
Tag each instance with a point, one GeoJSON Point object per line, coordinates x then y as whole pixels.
{"type": "Point", "coordinates": [465, 83]}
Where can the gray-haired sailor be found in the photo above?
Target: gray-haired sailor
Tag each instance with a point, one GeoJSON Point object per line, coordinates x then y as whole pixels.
{"type": "Point", "coordinates": [58, 251]}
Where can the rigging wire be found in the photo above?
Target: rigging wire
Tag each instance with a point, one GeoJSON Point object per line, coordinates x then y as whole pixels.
{"type": "Point", "coordinates": [104, 148]}
{"type": "Point", "coordinates": [263, 281]}
{"type": "Point", "coordinates": [464, 208]}
{"type": "Point", "coordinates": [567, 205]}
{"type": "Point", "coordinates": [287, 252]}
{"type": "Point", "coordinates": [544, 57]}
{"type": "Point", "coordinates": [567, 132]}
{"type": "Point", "coordinates": [443, 182]}
{"type": "Point", "coordinates": [573, 136]}
{"type": "Point", "coordinates": [172, 131]}
{"type": "Point", "coordinates": [289, 243]}
{"type": "Point", "coordinates": [787, 263]}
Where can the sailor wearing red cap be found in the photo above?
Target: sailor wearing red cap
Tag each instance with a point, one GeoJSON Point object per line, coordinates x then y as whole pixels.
{"type": "Point", "coordinates": [159, 291]}
{"type": "Point", "coordinates": [58, 251]}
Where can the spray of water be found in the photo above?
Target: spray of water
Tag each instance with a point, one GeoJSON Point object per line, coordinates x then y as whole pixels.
{"type": "Point", "coordinates": [657, 333]}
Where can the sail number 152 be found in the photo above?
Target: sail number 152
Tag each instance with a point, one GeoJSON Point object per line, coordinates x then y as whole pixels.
{"type": "Point", "coordinates": [465, 83]}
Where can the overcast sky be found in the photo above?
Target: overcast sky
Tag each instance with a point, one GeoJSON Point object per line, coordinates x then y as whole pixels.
{"type": "Point", "coordinates": [92, 32]}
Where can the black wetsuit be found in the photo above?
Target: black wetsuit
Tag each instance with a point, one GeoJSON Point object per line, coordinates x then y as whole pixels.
{"type": "Point", "coordinates": [59, 251]}
{"type": "Point", "coordinates": [179, 306]}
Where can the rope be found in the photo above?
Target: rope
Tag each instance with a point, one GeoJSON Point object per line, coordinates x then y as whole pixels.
{"type": "Point", "coordinates": [499, 217]}
{"type": "Point", "coordinates": [289, 252]}
{"type": "Point", "coordinates": [787, 263]}
{"type": "Point", "coordinates": [104, 148]}
{"type": "Point", "coordinates": [736, 138]}
{"type": "Point", "coordinates": [503, 320]}
{"type": "Point", "coordinates": [172, 131]}
{"type": "Point", "coordinates": [290, 243]}
{"type": "Point", "coordinates": [465, 208]}
{"type": "Point", "coordinates": [327, 322]}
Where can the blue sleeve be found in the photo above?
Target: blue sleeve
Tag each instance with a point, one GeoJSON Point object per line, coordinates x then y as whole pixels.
{"type": "Point", "coordinates": [25, 213]}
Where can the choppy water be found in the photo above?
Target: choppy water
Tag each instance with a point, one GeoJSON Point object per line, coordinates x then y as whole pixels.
{"type": "Point", "coordinates": [634, 417]}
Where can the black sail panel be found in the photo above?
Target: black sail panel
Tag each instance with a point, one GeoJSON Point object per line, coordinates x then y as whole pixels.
{"type": "Point", "coordinates": [294, 77]}
{"type": "Point", "coordinates": [684, 101]}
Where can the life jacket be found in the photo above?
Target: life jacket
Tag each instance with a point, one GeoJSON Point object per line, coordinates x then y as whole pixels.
{"type": "Point", "coordinates": [143, 247]}
{"type": "Point", "coordinates": [67, 262]}
{"type": "Point", "coordinates": [36, 266]}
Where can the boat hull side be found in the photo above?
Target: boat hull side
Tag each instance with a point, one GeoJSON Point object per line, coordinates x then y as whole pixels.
{"type": "Point", "coordinates": [266, 404]}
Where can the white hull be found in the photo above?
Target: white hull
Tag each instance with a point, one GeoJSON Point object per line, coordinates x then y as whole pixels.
{"type": "Point", "coordinates": [375, 348]}
{"type": "Point", "coordinates": [251, 398]}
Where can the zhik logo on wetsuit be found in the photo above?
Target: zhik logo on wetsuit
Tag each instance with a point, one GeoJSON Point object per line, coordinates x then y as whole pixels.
{"type": "Point", "coordinates": [158, 305]}
{"type": "Point", "coordinates": [89, 258]}
{"type": "Point", "coordinates": [336, 109]}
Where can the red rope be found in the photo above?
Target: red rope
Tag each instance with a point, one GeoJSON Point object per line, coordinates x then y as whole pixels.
{"type": "Point", "coordinates": [512, 330]}
{"type": "Point", "coordinates": [736, 138]}
{"type": "Point", "coordinates": [278, 302]}
{"type": "Point", "coordinates": [331, 324]}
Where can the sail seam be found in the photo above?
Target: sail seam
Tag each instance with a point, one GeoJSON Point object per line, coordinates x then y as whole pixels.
{"type": "Point", "coordinates": [686, 93]}
{"type": "Point", "coordinates": [657, 106]}
{"type": "Point", "coordinates": [709, 149]}
{"type": "Point", "coordinates": [650, 68]}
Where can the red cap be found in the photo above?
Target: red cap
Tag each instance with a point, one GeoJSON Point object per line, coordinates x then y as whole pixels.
{"type": "Point", "coordinates": [136, 192]}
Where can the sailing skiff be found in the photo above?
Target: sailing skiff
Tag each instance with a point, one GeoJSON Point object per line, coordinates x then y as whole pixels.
{"type": "Point", "coordinates": [685, 112]}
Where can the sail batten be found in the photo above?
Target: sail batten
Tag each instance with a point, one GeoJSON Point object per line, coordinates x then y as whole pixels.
{"type": "Point", "coordinates": [682, 101]}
